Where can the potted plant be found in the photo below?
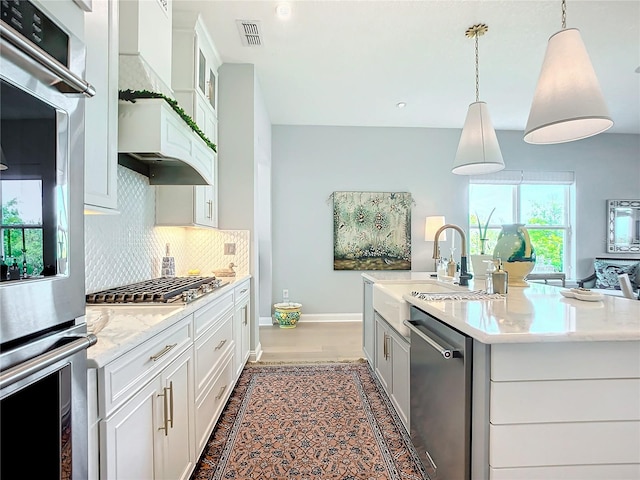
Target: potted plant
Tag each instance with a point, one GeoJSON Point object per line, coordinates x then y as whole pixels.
{"type": "Point", "coordinates": [483, 231]}
{"type": "Point", "coordinates": [478, 261]}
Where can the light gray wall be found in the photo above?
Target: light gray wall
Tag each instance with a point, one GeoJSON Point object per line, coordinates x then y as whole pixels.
{"type": "Point", "coordinates": [244, 167]}
{"type": "Point", "coordinates": [309, 163]}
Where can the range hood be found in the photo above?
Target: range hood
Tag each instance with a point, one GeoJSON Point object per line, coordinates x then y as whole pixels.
{"type": "Point", "coordinates": [153, 140]}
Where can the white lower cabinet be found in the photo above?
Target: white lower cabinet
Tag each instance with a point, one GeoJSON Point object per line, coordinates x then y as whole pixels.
{"type": "Point", "coordinates": [241, 326]}
{"type": "Point", "coordinates": [368, 323]}
{"type": "Point", "coordinates": [150, 436]}
{"type": "Point", "coordinates": [392, 366]}
{"type": "Point", "coordinates": [153, 408]}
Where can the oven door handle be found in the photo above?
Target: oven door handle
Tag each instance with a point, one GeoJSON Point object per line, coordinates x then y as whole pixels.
{"type": "Point", "coordinates": [70, 79]}
{"type": "Point", "coordinates": [25, 369]}
{"type": "Point", "coordinates": [447, 353]}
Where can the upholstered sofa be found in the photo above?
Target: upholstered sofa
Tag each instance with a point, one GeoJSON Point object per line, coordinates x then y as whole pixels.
{"type": "Point", "coordinates": [604, 279]}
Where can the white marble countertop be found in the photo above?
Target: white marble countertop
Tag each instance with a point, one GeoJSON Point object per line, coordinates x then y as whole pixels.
{"type": "Point", "coordinates": [537, 313]}
{"type": "Point", "coordinates": [120, 328]}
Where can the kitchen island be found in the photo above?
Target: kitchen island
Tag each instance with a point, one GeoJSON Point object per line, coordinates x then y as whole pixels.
{"type": "Point", "coordinates": [555, 383]}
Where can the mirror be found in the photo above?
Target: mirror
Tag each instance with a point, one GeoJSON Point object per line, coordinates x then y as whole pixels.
{"type": "Point", "coordinates": [623, 227]}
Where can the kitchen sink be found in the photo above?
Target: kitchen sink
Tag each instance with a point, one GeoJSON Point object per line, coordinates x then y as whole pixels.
{"type": "Point", "coordinates": [388, 301]}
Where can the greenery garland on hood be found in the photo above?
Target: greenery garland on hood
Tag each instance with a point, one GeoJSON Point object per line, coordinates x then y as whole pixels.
{"type": "Point", "coordinates": [133, 95]}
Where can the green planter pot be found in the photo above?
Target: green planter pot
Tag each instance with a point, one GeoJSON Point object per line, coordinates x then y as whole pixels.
{"type": "Point", "coordinates": [287, 314]}
{"type": "Point", "coordinates": [516, 252]}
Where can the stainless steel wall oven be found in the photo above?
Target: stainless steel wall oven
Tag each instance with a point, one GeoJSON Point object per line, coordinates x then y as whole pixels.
{"type": "Point", "coordinates": [43, 339]}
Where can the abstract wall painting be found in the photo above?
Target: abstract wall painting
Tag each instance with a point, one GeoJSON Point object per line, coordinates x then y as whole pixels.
{"type": "Point", "coordinates": [372, 230]}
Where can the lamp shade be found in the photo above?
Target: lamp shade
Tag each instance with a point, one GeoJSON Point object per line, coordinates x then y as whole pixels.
{"type": "Point", "coordinates": [431, 226]}
{"type": "Point", "coordinates": [478, 150]}
{"type": "Point", "coordinates": [568, 104]}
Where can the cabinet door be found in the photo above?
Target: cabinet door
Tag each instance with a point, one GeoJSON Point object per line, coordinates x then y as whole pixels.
{"type": "Point", "coordinates": [101, 111]}
{"type": "Point", "coordinates": [128, 437]}
{"type": "Point", "coordinates": [242, 328]}
{"type": "Point", "coordinates": [178, 439]}
{"type": "Point", "coordinates": [383, 355]}
{"type": "Point", "coordinates": [205, 206]}
{"type": "Point", "coordinates": [368, 324]}
{"type": "Point", "coordinates": [400, 375]}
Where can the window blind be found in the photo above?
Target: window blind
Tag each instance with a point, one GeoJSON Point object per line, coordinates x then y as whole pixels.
{"type": "Point", "coordinates": [518, 177]}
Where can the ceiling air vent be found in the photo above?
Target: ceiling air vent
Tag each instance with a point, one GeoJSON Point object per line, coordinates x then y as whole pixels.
{"type": "Point", "coordinates": [249, 33]}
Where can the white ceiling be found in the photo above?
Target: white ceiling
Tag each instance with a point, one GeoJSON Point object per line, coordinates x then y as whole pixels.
{"type": "Point", "coordinates": [351, 62]}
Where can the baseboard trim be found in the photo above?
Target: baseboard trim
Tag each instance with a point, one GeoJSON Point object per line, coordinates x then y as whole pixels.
{"type": "Point", "coordinates": [255, 355]}
{"type": "Point", "coordinates": [318, 317]}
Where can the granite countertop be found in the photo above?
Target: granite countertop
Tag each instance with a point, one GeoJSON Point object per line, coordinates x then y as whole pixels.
{"type": "Point", "coordinates": [120, 328]}
{"type": "Point", "coordinates": [538, 313]}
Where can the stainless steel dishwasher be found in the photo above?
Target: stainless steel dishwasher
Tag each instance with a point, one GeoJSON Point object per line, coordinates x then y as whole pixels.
{"type": "Point", "coordinates": [440, 378]}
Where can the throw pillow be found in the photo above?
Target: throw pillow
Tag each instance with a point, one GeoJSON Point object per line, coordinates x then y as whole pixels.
{"type": "Point", "coordinates": [607, 274]}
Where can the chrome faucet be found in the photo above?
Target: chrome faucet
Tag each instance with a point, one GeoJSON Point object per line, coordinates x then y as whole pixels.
{"type": "Point", "coordinates": [465, 276]}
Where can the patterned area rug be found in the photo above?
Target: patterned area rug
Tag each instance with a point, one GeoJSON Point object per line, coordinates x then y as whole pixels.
{"type": "Point", "coordinates": [319, 422]}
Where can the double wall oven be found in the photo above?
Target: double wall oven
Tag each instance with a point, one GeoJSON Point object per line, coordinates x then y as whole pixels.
{"type": "Point", "coordinates": [43, 336]}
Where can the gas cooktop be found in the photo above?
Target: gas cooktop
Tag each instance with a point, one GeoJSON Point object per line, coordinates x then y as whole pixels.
{"type": "Point", "coordinates": [158, 290]}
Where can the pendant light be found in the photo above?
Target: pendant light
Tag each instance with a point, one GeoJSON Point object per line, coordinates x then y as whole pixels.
{"type": "Point", "coordinates": [478, 150]}
{"type": "Point", "coordinates": [568, 103]}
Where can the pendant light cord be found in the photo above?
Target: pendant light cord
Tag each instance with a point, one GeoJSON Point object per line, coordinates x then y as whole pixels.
{"type": "Point", "coordinates": [477, 75]}
{"type": "Point", "coordinates": [564, 14]}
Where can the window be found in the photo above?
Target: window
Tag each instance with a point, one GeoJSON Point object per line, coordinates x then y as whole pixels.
{"type": "Point", "coordinates": [542, 201]}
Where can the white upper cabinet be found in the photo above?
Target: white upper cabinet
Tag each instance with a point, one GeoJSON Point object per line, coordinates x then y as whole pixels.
{"type": "Point", "coordinates": [194, 76]}
{"type": "Point", "coordinates": [101, 123]}
{"type": "Point", "coordinates": [195, 87]}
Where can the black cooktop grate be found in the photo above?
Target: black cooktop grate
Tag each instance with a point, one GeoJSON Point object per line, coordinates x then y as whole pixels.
{"type": "Point", "coordinates": [157, 290]}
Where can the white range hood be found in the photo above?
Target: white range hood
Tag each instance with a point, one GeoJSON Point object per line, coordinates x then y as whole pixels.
{"type": "Point", "coordinates": [154, 141]}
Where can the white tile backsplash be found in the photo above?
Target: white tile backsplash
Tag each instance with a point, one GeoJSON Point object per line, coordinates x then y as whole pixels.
{"type": "Point", "coordinates": [128, 248]}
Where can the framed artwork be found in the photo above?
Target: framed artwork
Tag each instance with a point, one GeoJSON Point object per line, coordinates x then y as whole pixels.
{"type": "Point", "coordinates": [372, 230]}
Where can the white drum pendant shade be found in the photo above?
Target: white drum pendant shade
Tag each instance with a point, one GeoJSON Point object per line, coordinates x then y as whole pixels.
{"type": "Point", "coordinates": [568, 103]}
{"type": "Point", "coordinates": [478, 150]}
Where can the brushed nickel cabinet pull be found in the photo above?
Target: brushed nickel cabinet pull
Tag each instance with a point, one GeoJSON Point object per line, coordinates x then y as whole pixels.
{"type": "Point", "coordinates": [162, 352]}
{"type": "Point", "coordinates": [221, 344]}
{"type": "Point", "coordinates": [243, 290]}
{"type": "Point", "coordinates": [171, 402]}
{"type": "Point", "coordinates": [165, 409]}
{"type": "Point", "coordinates": [219, 396]}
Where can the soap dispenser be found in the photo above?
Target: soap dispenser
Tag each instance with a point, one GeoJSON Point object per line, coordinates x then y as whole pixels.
{"type": "Point", "coordinates": [500, 279]}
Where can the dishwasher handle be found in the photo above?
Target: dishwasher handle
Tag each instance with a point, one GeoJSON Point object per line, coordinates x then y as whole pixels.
{"type": "Point", "coordinates": [447, 353]}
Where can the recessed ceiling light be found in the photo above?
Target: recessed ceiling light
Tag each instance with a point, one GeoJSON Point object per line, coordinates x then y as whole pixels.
{"type": "Point", "coordinates": [401, 104]}
{"type": "Point", "coordinates": [283, 11]}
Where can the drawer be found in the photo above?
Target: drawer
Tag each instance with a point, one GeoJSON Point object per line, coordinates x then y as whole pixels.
{"type": "Point", "coordinates": [553, 444]}
{"type": "Point", "coordinates": [210, 348]}
{"type": "Point", "coordinates": [572, 472]}
{"type": "Point", "coordinates": [564, 361]}
{"type": "Point", "coordinates": [241, 292]}
{"type": "Point", "coordinates": [121, 378]}
{"type": "Point", "coordinates": [211, 313]}
{"type": "Point", "coordinates": [209, 405]}
{"type": "Point", "coordinates": [565, 401]}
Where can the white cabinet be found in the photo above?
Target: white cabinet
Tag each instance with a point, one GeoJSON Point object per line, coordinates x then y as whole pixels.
{"type": "Point", "coordinates": [146, 408]}
{"type": "Point", "coordinates": [186, 205]}
{"type": "Point", "coordinates": [101, 111]}
{"type": "Point", "coordinates": [195, 86]}
{"type": "Point", "coordinates": [392, 366]}
{"type": "Point", "coordinates": [241, 325]}
{"type": "Point", "coordinates": [194, 76]}
{"type": "Point", "coordinates": [368, 323]}
{"type": "Point", "coordinates": [214, 348]}
{"type": "Point", "coordinates": [151, 435]}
